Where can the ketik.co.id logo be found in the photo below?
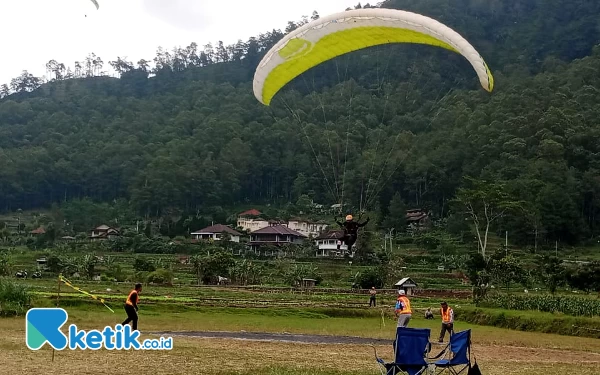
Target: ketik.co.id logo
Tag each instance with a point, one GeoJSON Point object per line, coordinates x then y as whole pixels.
{"type": "Point", "coordinates": [43, 326]}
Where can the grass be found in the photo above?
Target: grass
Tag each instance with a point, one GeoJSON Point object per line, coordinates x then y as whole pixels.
{"type": "Point", "coordinates": [497, 351]}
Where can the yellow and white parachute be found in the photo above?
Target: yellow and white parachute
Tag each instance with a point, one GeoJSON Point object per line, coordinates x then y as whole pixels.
{"type": "Point", "coordinates": [328, 37]}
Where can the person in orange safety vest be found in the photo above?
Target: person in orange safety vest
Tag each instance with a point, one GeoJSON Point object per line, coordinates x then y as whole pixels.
{"type": "Point", "coordinates": [447, 315]}
{"type": "Point", "coordinates": [131, 306]}
{"type": "Point", "coordinates": [403, 310]}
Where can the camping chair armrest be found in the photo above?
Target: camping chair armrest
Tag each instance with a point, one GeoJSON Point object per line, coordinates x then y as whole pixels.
{"type": "Point", "coordinates": [441, 353]}
{"type": "Point", "coordinates": [381, 361]}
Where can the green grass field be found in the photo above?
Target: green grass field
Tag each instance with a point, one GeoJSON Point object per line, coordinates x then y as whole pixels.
{"type": "Point", "coordinates": [497, 351]}
{"type": "Point", "coordinates": [186, 308]}
{"type": "Point", "coordinates": [278, 309]}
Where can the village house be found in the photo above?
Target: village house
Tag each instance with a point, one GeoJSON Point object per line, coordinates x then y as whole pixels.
{"type": "Point", "coordinates": [307, 227]}
{"type": "Point", "coordinates": [104, 232]}
{"type": "Point", "coordinates": [250, 220]}
{"type": "Point", "coordinates": [216, 233]}
{"type": "Point", "coordinates": [37, 232]}
{"type": "Point", "coordinates": [276, 235]}
{"type": "Point", "coordinates": [327, 245]}
{"type": "Point", "coordinates": [417, 220]}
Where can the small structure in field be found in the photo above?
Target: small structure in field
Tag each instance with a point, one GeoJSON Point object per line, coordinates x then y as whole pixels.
{"type": "Point", "coordinates": [406, 284]}
{"type": "Point", "coordinates": [308, 283]}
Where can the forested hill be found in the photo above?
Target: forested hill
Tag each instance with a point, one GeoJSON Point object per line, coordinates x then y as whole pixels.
{"type": "Point", "coordinates": [184, 131]}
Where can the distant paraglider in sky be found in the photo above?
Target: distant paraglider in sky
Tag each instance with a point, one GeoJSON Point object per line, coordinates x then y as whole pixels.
{"type": "Point", "coordinates": [329, 37]}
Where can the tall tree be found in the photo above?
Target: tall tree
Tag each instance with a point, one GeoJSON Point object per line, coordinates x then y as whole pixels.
{"type": "Point", "coordinates": [484, 202]}
{"type": "Point", "coordinates": [396, 217]}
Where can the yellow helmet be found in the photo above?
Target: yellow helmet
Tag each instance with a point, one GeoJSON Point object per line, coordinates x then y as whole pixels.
{"type": "Point", "coordinates": [348, 217]}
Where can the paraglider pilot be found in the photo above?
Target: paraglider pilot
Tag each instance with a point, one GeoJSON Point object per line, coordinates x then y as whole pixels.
{"type": "Point", "coordinates": [350, 231]}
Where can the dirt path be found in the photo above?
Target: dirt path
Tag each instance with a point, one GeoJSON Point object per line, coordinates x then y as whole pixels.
{"type": "Point", "coordinates": [279, 337]}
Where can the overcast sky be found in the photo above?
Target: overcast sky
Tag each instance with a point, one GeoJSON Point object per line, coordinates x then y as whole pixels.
{"type": "Point", "coordinates": [36, 31]}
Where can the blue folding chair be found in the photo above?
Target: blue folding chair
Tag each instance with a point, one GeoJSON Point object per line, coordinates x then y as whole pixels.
{"type": "Point", "coordinates": [458, 353]}
{"type": "Point", "coordinates": [410, 351]}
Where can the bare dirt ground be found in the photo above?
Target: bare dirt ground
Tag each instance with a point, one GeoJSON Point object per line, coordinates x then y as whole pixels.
{"type": "Point", "coordinates": [245, 353]}
{"type": "Point", "coordinates": [488, 351]}
{"type": "Point", "coordinates": [278, 337]}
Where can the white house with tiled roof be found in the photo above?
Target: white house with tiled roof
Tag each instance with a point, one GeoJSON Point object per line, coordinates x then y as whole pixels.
{"type": "Point", "coordinates": [104, 232]}
{"type": "Point", "coordinates": [215, 233]}
{"type": "Point", "coordinates": [250, 220]}
{"type": "Point", "coordinates": [307, 227]}
{"type": "Point", "coordinates": [327, 245]}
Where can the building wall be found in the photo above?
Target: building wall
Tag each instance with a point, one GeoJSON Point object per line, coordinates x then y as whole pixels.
{"type": "Point", "coordinates": [251, 224]}
{"type": "Point", "coordinates": [275, 238]}
{"type": "Point", "coordinates": [328, 248]}
{"type": "Point", "coordinates": [330, 244]}
{"type": "Point", "coordinates": [307, 228]}
{"type": "Point", "coordinates": [214, 237]}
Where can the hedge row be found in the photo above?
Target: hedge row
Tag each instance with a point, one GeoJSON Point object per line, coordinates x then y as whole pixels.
{"type": "Point", "coordinates": [561, 325]}
{"type": "Point", "coordinates": [575, 306]}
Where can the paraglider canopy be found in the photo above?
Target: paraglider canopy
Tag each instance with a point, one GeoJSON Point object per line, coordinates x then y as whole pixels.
{"type": "Point", "coordinates": [328, 37]}
{"type": "Point", "coordinates": [96, 4]}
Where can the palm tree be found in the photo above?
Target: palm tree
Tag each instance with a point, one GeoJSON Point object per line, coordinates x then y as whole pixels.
{"type": "Point", "coordinates": [88, 265]}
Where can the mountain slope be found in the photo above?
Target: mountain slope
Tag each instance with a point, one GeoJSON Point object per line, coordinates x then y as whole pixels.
{"type": "Point", "coordinates": [189, 134]}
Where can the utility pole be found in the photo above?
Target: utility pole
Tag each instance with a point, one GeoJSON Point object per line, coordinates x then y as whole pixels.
{"type": "Point", "coordinates": [506, 242]}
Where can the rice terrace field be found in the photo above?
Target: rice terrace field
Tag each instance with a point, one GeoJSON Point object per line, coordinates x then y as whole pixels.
{"type": "Point", "coordinates": [341, 329]}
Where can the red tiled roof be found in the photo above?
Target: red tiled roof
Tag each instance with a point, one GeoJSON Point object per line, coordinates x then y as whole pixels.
{"type": "Point", "coordinates": [40, 230]}
{"type": "Point", "coordinates": [278, 229]}
{"type": "Point", "coordinates": [218, 228]}
{"type": "Point", "coordinates": [252, 212]}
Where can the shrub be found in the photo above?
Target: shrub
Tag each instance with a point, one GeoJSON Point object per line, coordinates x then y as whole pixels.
{"type": "Point", "coordinates": [562, 325]}
{"type": "Point", "coordinates": [371, 277]}
{"type": "Point", "coordinates": [141, 264]}
{"type": "Point", "coordinates": [116, 272]}
{"type": "Point", "coordinates": [161, 276]}
{"type": "Point", "coordinates": [14, 297]}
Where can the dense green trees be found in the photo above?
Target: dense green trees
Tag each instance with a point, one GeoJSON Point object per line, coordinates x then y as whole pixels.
{"type": "Point", "coordinates": [185, 133]}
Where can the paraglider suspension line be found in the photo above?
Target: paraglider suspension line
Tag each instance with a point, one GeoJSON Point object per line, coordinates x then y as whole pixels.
{"type": "Point", "coordinates": [295, 115]}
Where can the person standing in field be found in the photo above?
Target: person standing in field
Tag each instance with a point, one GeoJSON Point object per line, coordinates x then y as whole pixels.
{"type": "Point", "coordinates": [372, 300]}
{"type": "Point", "coordinates": [447, 320]}
{"type": "Point", "coordinates": [131, 306]}
{"type": "Point", "coordinates": [403, 311]}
